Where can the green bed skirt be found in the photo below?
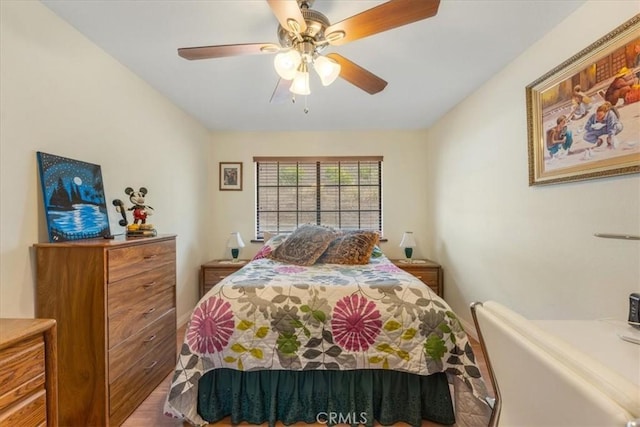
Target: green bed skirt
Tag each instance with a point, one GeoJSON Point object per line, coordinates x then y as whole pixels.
{"type": "Point", "coordinates": [329, 397]}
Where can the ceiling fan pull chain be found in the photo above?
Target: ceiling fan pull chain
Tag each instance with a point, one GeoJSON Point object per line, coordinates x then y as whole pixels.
{"type": "Point", "coordinates": [306, 108]}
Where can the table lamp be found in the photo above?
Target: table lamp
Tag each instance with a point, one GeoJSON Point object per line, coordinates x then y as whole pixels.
{"type": "Point", "coordinates": [408, 243]}
{"type": "Point", "coordinates": [235, 243]}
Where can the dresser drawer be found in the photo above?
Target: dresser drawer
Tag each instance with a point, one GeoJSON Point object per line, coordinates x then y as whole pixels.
{"type": "Point", "coordinates": [131, 260]}
{"type": "Point", "coordinates": [125, 293]}
{"type": "Point", "coordinates": [134, 385]}
{"type": "Point", "coordinates": [159, 337]}
{"type": "Point", "coordinates": [429, 272]}
{"type": "Point", "coordinates": [137, 314]}
{"type": "Point", "coordinates": [30, 386]}
{"type": "Point", "coordinates": [429, 277]}
{"type": "Point", "coordinates": [21, 370]}
{"type": "Point", "coordinates": [212, 272]}
{"type": "Point", "coordinates": [31, 411]}
{"type": "Point", "coordinates": [212, 277]}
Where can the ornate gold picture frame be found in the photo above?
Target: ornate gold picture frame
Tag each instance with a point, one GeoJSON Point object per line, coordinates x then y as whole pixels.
{"type": "Point", "coordinates": [583, 117]}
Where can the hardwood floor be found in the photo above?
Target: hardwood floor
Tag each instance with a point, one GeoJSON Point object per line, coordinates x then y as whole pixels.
{"type": "Point", "coordinates": [150, 413]}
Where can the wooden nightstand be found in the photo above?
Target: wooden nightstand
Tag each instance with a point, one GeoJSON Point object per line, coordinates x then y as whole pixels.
{"type": "Point", "coordinates": [214, 271]}
{"type": "Point", "coordinates": [426, 270]}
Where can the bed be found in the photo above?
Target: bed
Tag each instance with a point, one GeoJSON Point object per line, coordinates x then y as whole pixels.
{"type": "Point", "coordinates": [326, 343]}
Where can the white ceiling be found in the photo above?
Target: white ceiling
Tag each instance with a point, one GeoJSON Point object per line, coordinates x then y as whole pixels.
{"type": "Point", "coordinates": [431, 65]}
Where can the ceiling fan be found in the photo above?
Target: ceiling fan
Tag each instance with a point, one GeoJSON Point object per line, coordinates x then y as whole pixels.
{"type": "Point", "coordinates": [303, 33]}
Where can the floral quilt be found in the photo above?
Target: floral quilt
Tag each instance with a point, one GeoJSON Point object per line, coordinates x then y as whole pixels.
{"type": "Point", "coordinates": [270, 315]}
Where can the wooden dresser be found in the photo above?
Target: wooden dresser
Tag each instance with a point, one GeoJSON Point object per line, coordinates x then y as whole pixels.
{"type": "Point", "coordinates": [214, 271]}
{"type": "Point", "coordinates": [28, 373]}
{"type": "Point", "coordinates": [428, 271]}
{"type": "Point", "coordinates": [115, 306]}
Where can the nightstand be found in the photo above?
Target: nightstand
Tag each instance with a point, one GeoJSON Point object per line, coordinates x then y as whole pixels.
{"type": "Point", "coordinates": [428, 271]}
{"type": "Point", "coordinates": [214, 271]}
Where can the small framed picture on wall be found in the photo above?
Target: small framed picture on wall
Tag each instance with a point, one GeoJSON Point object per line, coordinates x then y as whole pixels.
{"type": "Point", "coordinates": [230, 176]}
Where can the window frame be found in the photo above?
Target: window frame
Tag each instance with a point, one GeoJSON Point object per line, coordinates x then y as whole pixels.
{"type": "Point", "coordinates": [318, 161]}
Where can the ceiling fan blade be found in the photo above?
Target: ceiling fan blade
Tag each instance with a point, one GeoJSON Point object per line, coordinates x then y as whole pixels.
{"type": "Point", "coordinates": [281, 93]}
{"type": "Point", "coordinates": [220, 51]}
{"type": "Point", "coordinates": [286, 10]}
{"type": "Point", "coordinates": [389, 15]}
{"type": "Point", "coordinates": [358, 76]}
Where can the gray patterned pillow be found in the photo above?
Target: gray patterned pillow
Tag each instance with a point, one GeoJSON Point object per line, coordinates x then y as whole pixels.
{"type": "Point", "coordinates": [305, 245]}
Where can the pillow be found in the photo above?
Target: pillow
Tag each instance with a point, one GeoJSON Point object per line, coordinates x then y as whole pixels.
{"type": "Point", "coordinates": [351, 248]}
{"type": "Point", "coordinates": [305, 245]}
{"type": "Point", "coordinates": [267, 235]}
{"type": "Point", "coordinates": [269, 246]}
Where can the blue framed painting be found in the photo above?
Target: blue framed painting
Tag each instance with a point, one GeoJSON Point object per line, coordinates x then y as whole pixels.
{"type": "Point", "coordinates": [74, 200]}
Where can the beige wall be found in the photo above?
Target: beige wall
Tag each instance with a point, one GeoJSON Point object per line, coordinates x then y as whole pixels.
{"type": "Point", "coordinates": [461, 186]}
{"type": "Point", "coordinates": [531, 248]}
{"type": "Point", "coordinates": [62, 95]}
{"type": "Point", "coordinates": [404, 199]}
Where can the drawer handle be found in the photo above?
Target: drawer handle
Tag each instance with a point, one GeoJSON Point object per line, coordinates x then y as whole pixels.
{"type": "Point", "coordinates": [148, 285]}
{"type": "Point", "coordinates": [147, 368]}
{"type": "Point", "coordinates": [149, 257]}
{"type": "Point", "coordinates": [221, 277]}
{"type": "Point", "coordinates": [148, 312]}
{"type": "Point", "coordinates": [419, 277]}
{"type": "Point", "coordinates": [151, 338]}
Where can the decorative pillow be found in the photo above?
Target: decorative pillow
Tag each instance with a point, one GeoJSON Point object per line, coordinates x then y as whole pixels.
{"type": "Point", "coordinates": [352, 248]}
{"type": "Point", "coordinates": [267, 235]}
{"type": "Point", "coordinates": [270, 245]}
{"type": "Point", "coordinates": [305, 245]}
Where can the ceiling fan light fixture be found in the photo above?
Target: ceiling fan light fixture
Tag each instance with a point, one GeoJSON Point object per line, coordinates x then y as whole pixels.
{"type": "Point", "coordinates": [300, 83]}
{"type": "Point", "coordinates": [327, 69]}
{"type": "Point", "coordinates": [287, 63]}
{"type": "Point", "coordinates": [303, 33]}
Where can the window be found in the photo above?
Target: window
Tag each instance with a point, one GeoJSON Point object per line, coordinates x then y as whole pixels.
{"type": "Point", "coordinates": [339, 192]}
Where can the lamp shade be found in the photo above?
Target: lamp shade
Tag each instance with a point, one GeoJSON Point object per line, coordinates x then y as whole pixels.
{"type": "Point", "coordinates": [286, 64]}
{"type": "Point", "coordinates": [327, 69]}
{"type": "Point", "coordinates": [235, 241]}
{"type": "Point", "coordinates": [407, 240]}
{"type": "Point", "coordinates": [300, 84]}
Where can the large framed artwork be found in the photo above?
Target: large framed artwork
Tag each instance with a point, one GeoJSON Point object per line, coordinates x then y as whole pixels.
{"type": "Point", "coordinates": [583, 117]}
{"type": "Point", "coordinates": [231, 176]}
{"type": "Point", "coordinates": [74, 199]}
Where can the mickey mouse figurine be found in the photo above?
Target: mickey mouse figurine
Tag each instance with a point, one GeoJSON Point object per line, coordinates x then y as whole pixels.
{"type": "Point", "coordinates": [140, 212]}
